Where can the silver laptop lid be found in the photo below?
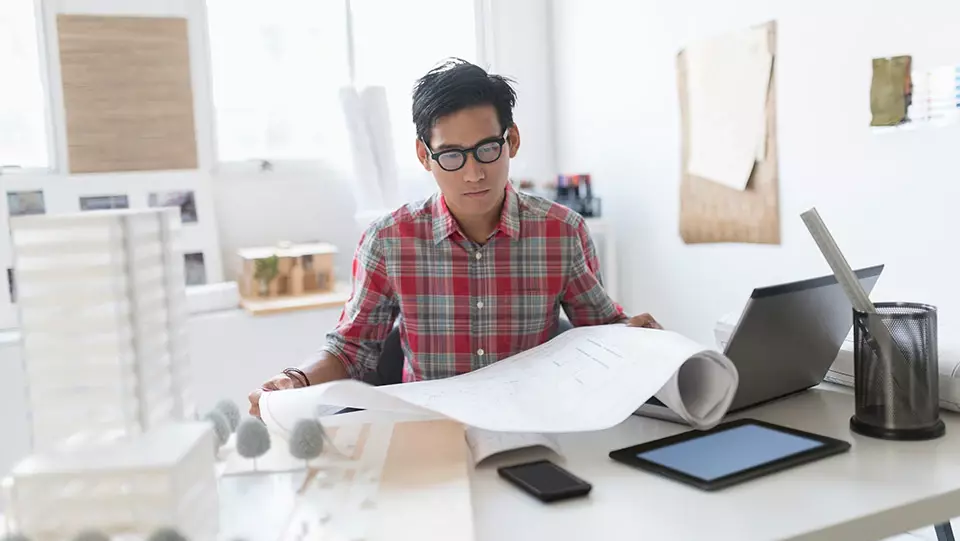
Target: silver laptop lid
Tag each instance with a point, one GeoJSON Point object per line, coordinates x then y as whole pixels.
{"type": "Point", "coordinates": [789, 335]}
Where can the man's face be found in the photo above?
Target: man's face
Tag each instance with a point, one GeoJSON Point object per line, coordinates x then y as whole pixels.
{"type": "Point", "coordinates": [476, 188]}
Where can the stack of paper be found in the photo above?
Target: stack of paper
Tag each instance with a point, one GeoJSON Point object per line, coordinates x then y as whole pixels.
{"type": "Point", "coordinates": [588, 378]}
{"type": "Point", "coordinates": [842, 371]}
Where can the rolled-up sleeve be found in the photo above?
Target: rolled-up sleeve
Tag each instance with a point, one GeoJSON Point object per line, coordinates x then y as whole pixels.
{"type": "Point", "coordinates": [369, 313]}
{"type": "Point", "coordinates": [584, 300]}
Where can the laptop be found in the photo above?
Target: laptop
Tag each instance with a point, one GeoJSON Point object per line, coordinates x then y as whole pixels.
{"type": "Point", "coordinates": [787, 338]}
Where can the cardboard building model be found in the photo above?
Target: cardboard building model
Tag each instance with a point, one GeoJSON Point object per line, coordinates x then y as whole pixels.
{"type": "Point", "coordinates": [287, 270]}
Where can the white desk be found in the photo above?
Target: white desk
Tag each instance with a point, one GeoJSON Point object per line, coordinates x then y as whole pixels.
{"type": "Point", "coordinates": [878, 489]}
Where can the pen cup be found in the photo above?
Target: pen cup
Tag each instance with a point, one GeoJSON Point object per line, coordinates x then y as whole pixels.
{"type": "Point", "coordinates": [897, 396]}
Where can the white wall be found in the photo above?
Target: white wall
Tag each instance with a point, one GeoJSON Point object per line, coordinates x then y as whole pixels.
{"type": "Point", "coordinates": [618, 119]}
{"type": "Point", "coordinates": [295, 203]}
{"type": "Point", "coordinates": [521, 50]}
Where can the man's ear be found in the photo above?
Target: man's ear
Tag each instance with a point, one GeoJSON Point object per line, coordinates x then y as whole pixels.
{"type": "Point", "coordinates": [513, 139]}
{"type": "Point", "coordinates": [423, 155]}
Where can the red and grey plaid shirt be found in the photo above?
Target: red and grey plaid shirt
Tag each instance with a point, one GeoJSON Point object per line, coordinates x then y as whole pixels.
{"type": "Point", "coordinates": [462, 305]}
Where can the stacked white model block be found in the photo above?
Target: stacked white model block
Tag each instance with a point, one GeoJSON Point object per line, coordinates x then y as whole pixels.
{"type": "Point", "coordinates": [164, 478]}
{"type": "Point", "coordinates": [102, 304]}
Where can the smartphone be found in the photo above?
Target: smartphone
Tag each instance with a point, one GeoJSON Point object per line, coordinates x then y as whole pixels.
{"type": "Point", "coordinates": [545, 480]}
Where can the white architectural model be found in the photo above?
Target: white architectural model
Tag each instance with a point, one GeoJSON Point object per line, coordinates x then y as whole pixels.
{"type": "Point", "coordinates": [102, 307]}
{"type": "Point", "coordinates": [164, 478]}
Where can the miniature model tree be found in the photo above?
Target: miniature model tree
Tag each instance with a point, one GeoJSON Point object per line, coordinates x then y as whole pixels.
{"type": "Point", "coordinates": [229, 410]}
{"type": "Point", "coordinates": [221, 427]}
{"type": "Point", "coordinates": [166, 534]}
{"type": "Point", "coordinates": [91, 535]}
{"type": "Point", "coordinates": [266, 270]}
{"type": "Point", "coordinates": [306, 440]}
{"type": "Point", "coordinates": [253, 439]}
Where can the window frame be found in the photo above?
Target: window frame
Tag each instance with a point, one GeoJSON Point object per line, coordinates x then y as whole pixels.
{"type": "Point", "coordinates": [63, 189]}
{"type": "Point", "coordinates": [9, 317]}
{"type": "Point", "coordinates": [483, 14]}
{"type": "Point", "coordinates": [53, 152]}
{"type": "Point", "coordinates": [210, 166]}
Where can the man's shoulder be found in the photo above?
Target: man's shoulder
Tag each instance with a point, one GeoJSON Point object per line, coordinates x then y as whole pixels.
{"type": "Point", "coordinates": [534, 208]}
{"type": "Point", "coordinates": [407, 220]}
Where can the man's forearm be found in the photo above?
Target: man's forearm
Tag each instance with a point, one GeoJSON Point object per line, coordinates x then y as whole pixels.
{"type": "Point", "coordinates": [324, 368]}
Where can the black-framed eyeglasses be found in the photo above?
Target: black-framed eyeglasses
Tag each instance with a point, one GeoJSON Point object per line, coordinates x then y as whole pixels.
{"type": "Point", "coordinates": [454, 159]}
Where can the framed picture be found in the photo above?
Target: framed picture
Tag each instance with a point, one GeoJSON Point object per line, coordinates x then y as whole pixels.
{"type": "Point", "coordinates": [11, 286]}
{"type": "Point", "coordinates": [195, 271]}
{"type": "Point", "coordinates": [184, 200]}
{"type": "Point", "coordinates": [104, 202]}
{"type": "Point", "coordinates": [25, 203]}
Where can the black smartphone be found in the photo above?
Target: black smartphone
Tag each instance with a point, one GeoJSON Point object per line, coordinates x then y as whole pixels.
{"type": "Point", "coordinates": [545, 480]}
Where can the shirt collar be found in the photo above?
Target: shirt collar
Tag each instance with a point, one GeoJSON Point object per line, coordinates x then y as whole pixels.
{"type": "Point", "coordinates": [444, 224]}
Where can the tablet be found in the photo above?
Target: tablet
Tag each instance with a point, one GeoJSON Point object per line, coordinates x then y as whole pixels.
{"type": "Point", "coordinates": [729, 453]}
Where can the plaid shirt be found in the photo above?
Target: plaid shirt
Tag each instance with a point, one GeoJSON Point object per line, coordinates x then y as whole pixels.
{"type": "Point", "coordinates": [464, 305]}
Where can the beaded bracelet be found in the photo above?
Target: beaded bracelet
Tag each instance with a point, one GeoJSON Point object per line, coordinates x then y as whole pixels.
{"type": "Point", "coordinates": [296, 373]}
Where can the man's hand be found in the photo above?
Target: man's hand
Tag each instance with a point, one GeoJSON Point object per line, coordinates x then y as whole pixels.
{"type": "Point", "coordinates": [276, 383]}
{"type": "Point", "coordinates": [645, 321]}
{"type": "Point", "coordinates": [325, 368]}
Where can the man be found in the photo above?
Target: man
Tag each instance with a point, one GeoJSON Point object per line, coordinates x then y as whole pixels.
{"type": "Point", "coordinates": [476, 273]}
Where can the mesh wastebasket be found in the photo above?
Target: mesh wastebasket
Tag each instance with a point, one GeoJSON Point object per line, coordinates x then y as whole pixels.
{"type": "Point", "coordinates": [896, 384]}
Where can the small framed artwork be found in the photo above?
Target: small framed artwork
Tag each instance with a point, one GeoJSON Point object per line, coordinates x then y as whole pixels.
{"type": "Point", "coordinates": [26, 203]}
{"type": "Point", "coordinates": [184, 200]}
{"type": "Point", "coordinates": [104, 202]}
{"type": "Point", "coordinates": [195, 271]}
{"type": "Point", "coordinates": [903, 97]}
{"type": "Point", "coordinates": [891, 91]}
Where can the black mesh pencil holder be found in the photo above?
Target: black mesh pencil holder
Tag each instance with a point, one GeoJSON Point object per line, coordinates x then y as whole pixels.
{"type": "Point", "coordinates": [897, 384]}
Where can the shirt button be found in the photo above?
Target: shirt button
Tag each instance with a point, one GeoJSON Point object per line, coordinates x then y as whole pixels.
{"type": "Point", "coordinates": [480, 352]}
{"type": "Point", "coordinates": [478, 256]}
{"type": "Point", "coordinates": [479, 304]}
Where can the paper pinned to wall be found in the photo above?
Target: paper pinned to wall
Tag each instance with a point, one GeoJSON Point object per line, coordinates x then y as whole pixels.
{"type": "Point", "coordinates": [711, 211]}
{"type": "Point", "coordinates": [890, 90]}
{"type": "Point", "coordinates": [728, 78]}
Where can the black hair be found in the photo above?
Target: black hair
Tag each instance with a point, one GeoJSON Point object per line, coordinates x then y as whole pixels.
{"type": "Point", "coordinates": [455, 85]}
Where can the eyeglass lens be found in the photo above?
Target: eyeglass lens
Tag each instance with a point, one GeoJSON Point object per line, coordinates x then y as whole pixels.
{"type": "Point", "coordinates": [453, 160]}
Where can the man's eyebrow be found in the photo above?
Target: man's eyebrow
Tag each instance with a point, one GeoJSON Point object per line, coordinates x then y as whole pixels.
{"type": "Point", "coordinates": [448, 146]}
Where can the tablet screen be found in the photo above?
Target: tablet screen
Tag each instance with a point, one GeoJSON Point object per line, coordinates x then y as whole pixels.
{"type": "Point", "coordinates": [730, 451]}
